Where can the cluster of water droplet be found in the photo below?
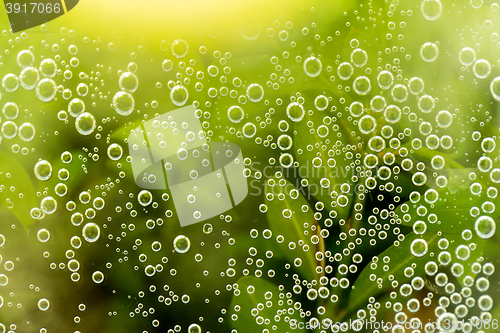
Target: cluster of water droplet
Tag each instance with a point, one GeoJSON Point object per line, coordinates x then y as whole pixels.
{"type": "Point", "coordinates": [353, 155]}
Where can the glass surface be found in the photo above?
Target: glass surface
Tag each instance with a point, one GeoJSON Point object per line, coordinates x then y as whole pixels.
{"type": "Point", "coordinates": [249, 166]}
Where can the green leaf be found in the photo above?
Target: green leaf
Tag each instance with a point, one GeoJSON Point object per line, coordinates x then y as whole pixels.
{"type": "Point", "coordinates": [327, 170]}
{"type": "Point", "coordinates": [290, 216]}
{"type": "Point", "coordinates": [400, 258]}
{"type": "Point", "coordinates": [257, 303]}
{"type": "Point", "coordinates": [17, 193]}
{"type": "Point", "coordinates": [452, 207]}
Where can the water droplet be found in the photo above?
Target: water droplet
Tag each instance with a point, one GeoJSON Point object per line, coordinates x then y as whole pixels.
{"type": "Point", "coordinates": [128, 82]}
{"type": "Point", "coordinates": [345, 70]}
{"type": "Point", "coordinates": [235, 114]}
{"type": "Point", "coordinates": [115, 151]}
{"type": "Point", "coordinates": [312, 66]}
{"type": "Point", "coordinates": [179, 48]}
{"type": "Point", "coordinates": [43, 304]}
{"type": "Point", "coordinates": [98, 277]}
{"type": "Point", "coordinates": [418, 247]}
{"type": "Point", "coordinates": [123, 103]}
{"type": "Point", "coordinates": [385, 79]}
{"type": "Point", "coordinates": [179, 95]}
{"type": "Point", "coordinates": [25, 58]}
{"type": "Point", "coordinates": [367, 124]}
{"type": "Point", "coordinates": [43, 170]}
{"type": "Point", "coordinates": [429, 52]}
{"type": "Point", "coordinates": [10, 82]}
{"type": "Point", "coordinates": [295, 111]}
{"type": "Point", "coordinates": [467, 56]}
{"type": "Point", "coordinates": [359, 57]}
{"type": "Point", "coordinates": [182, 244]}
{"type": "Point", "coordinates": [85, 123]}
{"type": "Point", "coordinates": [481, 68]}
{"type": "Point", "coordinates": [48, 67]}
{"type": "Point", "coordinates": [145, 198]}
{"type": "Point", "coordinates": [29, 77]}
{"type": "Point", "coordinates": [495, 88]}
{"type": "Point", "coordinates": [485, 226]}
{"type": "Point", "coordinates": [431, 9]}
{"type": "Point", "coordinates": [255, 92]}
{"type": "Point", "coordinates": [91, 232]}
{"type": "Point", "coordinates": [362, 85]}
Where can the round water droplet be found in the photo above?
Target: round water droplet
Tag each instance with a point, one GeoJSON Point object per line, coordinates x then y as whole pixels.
{"type": "Point", "coordinates": [286, 160]}
{"type": "Point", "coordinates": [25, 58]}
{"type": "Point", "coordinates": [46, 90]}
{"type": "Point", "coordinates": [399, 93]}
{"type": "Point", "coordinates": [378, 103]}
{"type": "Point", "coordinates": [27, 132]}
{"type": "Point", "coordinates": [48, 67]}
{"type": "Point", "coordinates": [10, 82]}
{"type": "Point", "coordinates": [359, 57]}
{"type": "Point", "coordinates": [284, 142]}
{"type": "Point", "coordinates": [488, 145]}
{"type": "Point", "coordinates": [97, 277]}
{"type": "Point", "coordinates": [43, 304]}
{"type": "Point", "coordinates": [447, 322]}
{"type": "Point", "coordinates": [249, 130]}
{"type": "Point", "coordinates": [123, 103]}
{"type": "Point", "coordinates": [182, 244]}
{"type": "Point", "coordinates": [485, 226]}
{"type": "Point", "coordinates": [179, 48]}
{"type": "Point", "coordinates": [416, 85]}
{"type": "Point", "coordinates": [115, 151]}
{"type": "Point", "coordinates": [167, 65]}
{"type": "Point", "coordinates": [392, 114]}
{"type": "Point", "coordinates": [43, 235]}
{"type": "Point", "coordinates": [76, 106]}
{"type": "Point", "coordinates": [426, 103]}
{"type": "Point", "coordinates": [255, 92]}
{"type": "Point", "coordinates": [91, 232]}
{"type": "Point", "coordinates": [82, 89]}
{"type": "Point", "coordinates": [362, 85]}
{"type": "Point", "coordinates": [444, 119]}
{"type": "Point", "coordinates": [356, 109]}
{"type": "Point", "coordinates": [43, 170]}
{"type": "Point", "coordinates": [467, 56]}
{"type": "Point", "coordinates": [179, 95]}
{"type": "Point", "coordinates": [345, 70]}
{"type": "Point", "coordinates": [295, 111]}
{"type": "Point", "coordinates": [48, 205]}
{"type": "Point", "coordinates": [367, 124]}
{"type": "Point", "coordinates": [9, 129]}
{"type": "Point", "coordinates": [194, 328]}
{"type": "Point", "coordinates": [235, 114]}
{"type": "Point", "coordinates": [481, 68]}
{"type": "Point", "coordinates": [207, 228]}
{"type": "Point", "coordinates": [429, 52]}
{"type": "Point", "coordinates": [145, 198]}
{"type": "Point", "coordinates": [431, 9]}
{"type": "Point", "coordinates": [385, 79]}
{"type": "Point", "coordinates": [321, 102]}
{"type": "Point", "coordinates": [128, 82]}
{"type": "Point", "coordinates": [495, 88]}
{"type": "Point", "coordinates": [10, 110]}
{"type": "Point", "coordinates": [29, 77]}
{"type": "Point", "coordinates": [418, 247]}
{"type": "Point", "coordinates": [312, 66]}
{"type": "Point", "coordinates": [85, 123]}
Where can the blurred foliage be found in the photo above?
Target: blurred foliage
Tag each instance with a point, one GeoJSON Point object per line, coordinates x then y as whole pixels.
{"type": "Point", "coordinates": [312, 228]}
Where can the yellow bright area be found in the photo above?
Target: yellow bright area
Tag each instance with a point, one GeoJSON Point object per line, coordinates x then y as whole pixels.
{"type": "Point", "coordinates": [154, 16]}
